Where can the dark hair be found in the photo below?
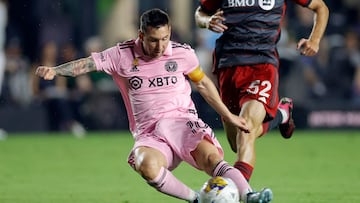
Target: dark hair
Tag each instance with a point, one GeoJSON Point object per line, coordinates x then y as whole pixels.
{"type": "Point", "coordinates": [153, 18]}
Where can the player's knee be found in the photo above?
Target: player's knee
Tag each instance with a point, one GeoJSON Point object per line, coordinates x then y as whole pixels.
{"type": "Point", "coordinates": [148, 169]}
{"type": "Point", "coordinates": [255, 129]}
{"type": "Point", "coordinates": [210, 162]}
{"type": "Point", "coordinates": [147, 162]}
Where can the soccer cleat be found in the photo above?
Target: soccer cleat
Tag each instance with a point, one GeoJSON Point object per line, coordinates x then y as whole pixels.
{"type": "Point", "coordinates": [264, 196]}
{"type": "Point", "coordinates": [287, 128]}
{"type": "Point", "coordinates": [197, 200]}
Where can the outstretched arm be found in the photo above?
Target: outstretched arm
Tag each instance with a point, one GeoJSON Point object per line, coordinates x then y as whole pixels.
{"type": "Point", "coordinates": [73, 69]}
{"type": "Point", "coordinates": [310, 46]}
{"type": "Point", "coordinates": [209, 92]}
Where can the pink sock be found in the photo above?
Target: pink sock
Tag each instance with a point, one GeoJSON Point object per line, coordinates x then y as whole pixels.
{"type": "Point", "coordinates": [168, 184]}
{"type": "Point", "coordinates": [225, 170]}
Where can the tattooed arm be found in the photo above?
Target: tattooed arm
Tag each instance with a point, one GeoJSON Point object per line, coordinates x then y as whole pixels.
{"type": "Point", "coordinates": [73, 69]}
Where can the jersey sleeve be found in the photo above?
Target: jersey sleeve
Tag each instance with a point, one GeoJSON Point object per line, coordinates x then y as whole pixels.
{"type": "Point", "coordinates": [196, 75]}
{"type": "Point", "coordinates": [210, 6]}
{"type": "Point", "coordinates": [304, 3]}
{"type": "Point", "coordinates": [192, 61]}
{"type": "Point", "coordinates": [105, 60]}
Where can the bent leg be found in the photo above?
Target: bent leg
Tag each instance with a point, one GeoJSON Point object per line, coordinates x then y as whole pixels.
{"type": "Point", "coordinates": [151, 164]}
{"type": "Point", "coordinates": [148, 162]}
{"type": "Point", "coordinates": [254, 114]}
{"type": "Point", "coordinates": [206, 156]}
{"type": "Point", "coordinates": [208, 159]}
{"type": "Point", "coordinates": [244, 143]}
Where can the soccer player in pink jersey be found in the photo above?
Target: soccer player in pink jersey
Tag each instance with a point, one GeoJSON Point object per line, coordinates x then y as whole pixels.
{"type": "Point", "coordinates": [153, 73]}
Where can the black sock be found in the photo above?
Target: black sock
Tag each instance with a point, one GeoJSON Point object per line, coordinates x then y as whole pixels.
{"type": "Point", "coordinates": [276, 121]}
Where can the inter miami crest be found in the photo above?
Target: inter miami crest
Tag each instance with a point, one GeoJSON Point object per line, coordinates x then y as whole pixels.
{"type": "Point", "coordinates": [171, 66]}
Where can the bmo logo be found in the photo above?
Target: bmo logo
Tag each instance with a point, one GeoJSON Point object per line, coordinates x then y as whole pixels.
{"type": "Point", "coordinates": [263, 4]}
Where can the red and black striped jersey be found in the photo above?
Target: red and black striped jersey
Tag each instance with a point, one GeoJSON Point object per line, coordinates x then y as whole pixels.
{"type": "Point", "coordinates": [253, 30]}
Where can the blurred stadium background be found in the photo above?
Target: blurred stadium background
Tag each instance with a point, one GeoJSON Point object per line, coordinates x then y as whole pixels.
{"type": "Point", "coordinates": [326, 88]}
{"type": "Point", "coordinates": [317, 165]}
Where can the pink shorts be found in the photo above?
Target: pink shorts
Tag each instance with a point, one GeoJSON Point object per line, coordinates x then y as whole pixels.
{"type": "Point", "coordinates": [176, 138]}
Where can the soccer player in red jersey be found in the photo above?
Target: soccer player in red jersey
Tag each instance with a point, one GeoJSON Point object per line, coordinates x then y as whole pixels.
{"type": "Point", "coordinates": [246, 62]}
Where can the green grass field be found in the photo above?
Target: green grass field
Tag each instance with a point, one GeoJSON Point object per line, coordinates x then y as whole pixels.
{"type": "Point", "coordinates": [311, 167]}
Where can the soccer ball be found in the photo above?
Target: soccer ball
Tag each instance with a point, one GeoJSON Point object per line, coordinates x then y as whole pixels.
{"type": "Point", "coordinates": [219, 190]}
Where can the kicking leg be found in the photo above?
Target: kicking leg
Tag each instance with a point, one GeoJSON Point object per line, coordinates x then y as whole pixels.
{"type": "Point", "coordinates": [254, 113]}
{"type": "Point", "coordinates": [209, 159]}
{"type": "Point", "coordinates": [151, 164]}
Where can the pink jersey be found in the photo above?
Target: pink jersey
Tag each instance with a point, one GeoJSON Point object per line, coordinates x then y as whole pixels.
{"type": "Point", "coordinates": [151, 88]}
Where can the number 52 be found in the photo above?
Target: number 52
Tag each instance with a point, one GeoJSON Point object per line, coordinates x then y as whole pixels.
{"type": "Point", "coordinates": [261, 88]}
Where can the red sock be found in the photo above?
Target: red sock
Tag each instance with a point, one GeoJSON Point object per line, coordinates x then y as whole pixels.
{"type": "Point", "coordinates": [245, 169]}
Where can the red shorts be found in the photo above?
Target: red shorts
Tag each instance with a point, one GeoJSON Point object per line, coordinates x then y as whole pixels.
{"type": "Point", "coordinates": [253, 82]}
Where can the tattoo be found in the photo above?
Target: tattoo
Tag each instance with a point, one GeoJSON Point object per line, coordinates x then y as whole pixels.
{"type": "Point", "coordinates": [75, 68]}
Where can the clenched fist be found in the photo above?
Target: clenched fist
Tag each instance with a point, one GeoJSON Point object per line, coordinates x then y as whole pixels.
{"type": "Point", "coordinates": [48, 73]}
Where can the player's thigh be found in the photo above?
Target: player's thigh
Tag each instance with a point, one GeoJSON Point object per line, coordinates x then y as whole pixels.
{"type": "Point", "coordinates": [262, 85]}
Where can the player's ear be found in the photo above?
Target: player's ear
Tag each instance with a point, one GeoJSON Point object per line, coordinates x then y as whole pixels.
{"type": "Point", "coordinates": [169, 27]}
{"type": "Point", "coordinates": [141, 35]}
